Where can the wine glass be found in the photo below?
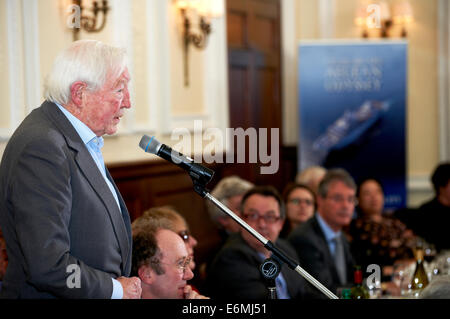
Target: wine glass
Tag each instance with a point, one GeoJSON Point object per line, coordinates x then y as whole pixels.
{"type": "Point", "coordinates": [401, 277]}
{"type": "Point", "coordinates": [431, 266]}
{"type": "Point", "coordinates": [429, 253]}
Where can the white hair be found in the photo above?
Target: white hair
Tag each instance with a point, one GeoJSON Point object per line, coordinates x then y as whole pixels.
{"type": "Point", "coordinates": [88, 61]}
{"type": "Point", "coordinates": [227, 187]}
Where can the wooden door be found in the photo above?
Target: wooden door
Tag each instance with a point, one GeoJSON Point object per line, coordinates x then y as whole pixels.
{"type": "Point", "coordinates": [254, 44]}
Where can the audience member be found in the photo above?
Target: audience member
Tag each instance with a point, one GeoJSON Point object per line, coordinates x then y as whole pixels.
{"type": "Point", "coordinates": [376, 237]}
{"type": "Point", "coordinates": [168, 218]}
{"type": "Point", "coordinates": [321, 245]}
{"type": "Point", "coordinates": [311, 177]}
{"type": "Point", "coordinates": [235, 272]}
{"type": "Point", "coordinates": [432, 219]}
{"type": "Point", "coordinates": [300, 206]}
{"type": "Point", "coordinates": [161, 261]}
{"type": "Point", "coordinates": [228, 191]}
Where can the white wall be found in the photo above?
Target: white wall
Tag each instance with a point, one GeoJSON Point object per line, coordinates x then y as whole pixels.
{"type": "Point", "coordinates": [34, 31]}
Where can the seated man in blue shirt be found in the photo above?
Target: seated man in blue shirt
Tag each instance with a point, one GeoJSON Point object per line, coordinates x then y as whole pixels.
{"type": "Point", "coordinates": [322, 248]}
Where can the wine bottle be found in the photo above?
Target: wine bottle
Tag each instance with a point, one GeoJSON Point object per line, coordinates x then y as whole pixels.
{"type": "Point", "coordinates": [420, 278]}
{"type": "Point", "coordinates": [358, 291]}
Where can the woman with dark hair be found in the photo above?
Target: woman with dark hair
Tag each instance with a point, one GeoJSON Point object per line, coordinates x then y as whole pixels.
{"type": "Point", "coordinates": [300, 203]}
{"type": "Point", "coordinates": [377, 237]}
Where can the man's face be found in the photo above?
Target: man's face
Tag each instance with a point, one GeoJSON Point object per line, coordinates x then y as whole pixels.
{"type": "Point", "coordinates": [170, 285]}
{"type": "Point", "coordinates": [101, 110]}
{"type": "Point", "coordinates": [182, 230]}
{"type": "Point", "coordinates": [300, 205]}
{"type": "Point", "coordinates": [338, 206]}
{"type": "Point", "coordinates": [262, 213]}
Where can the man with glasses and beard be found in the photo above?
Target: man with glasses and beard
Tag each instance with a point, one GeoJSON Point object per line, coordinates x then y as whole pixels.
{"type": "Point", "coordinates": [321, 245]}
{"type": "Point", "coordinates": [234, 272]}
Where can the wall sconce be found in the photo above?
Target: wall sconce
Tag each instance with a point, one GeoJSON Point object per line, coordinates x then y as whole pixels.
{"type": "Point", "coordinates": [88, 22]}
{"type": "Point", "coordinates": [204, 10]}
{"type": "Point", "coordinates": [403, 15]}
{"type": "Point", "coordinates": [377, 15]}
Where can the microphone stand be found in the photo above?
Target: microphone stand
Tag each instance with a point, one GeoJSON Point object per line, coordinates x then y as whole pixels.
{"type": "Point", "coordinates": [199, 188]}
{"type": "Point", "coordinates": [270, 269]}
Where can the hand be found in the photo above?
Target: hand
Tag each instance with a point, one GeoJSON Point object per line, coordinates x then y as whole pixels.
{"type": "Point", "coordinates": [131, 287]}
{"type": "Point", "coordinates": [189, 293]}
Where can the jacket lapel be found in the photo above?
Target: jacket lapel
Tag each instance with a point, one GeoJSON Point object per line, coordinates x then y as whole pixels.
{"type": "Point", "coordinates": [126, 222]}
{"type": "Point", "coordinates": [329, 260]}
{"type": "Point", "coordinates": [350, 262]}
{"type": "Point", "coordinates": [95, 178]}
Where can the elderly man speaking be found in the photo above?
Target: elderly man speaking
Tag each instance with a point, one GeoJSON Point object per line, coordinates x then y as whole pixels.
{"type": "Point", "coordinates": [66, 227]}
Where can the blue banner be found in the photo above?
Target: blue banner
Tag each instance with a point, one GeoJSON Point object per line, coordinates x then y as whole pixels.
{"type": "Point", "coordinates": [352, 109]}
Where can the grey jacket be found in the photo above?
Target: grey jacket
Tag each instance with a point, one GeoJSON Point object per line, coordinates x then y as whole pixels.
{"type": "Point", "coordinates": [56, 210]}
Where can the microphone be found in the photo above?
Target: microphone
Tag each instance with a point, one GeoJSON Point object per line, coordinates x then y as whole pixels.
{"type": "Point", "coordinates": [199, 174]}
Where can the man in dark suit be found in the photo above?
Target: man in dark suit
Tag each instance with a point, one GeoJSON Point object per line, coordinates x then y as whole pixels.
{"type": "Point", "coordinates": [322, 248]}
{"type": "Point", "coordinates": [234, 273]}
{"type": "Point", "coordinates": [67, 229]}
{"type": "Point", "coordinates": [432, 218]}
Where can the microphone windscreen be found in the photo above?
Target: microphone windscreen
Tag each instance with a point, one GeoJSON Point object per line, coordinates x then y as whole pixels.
{"type": "Point", "coordinates": [150, 144]}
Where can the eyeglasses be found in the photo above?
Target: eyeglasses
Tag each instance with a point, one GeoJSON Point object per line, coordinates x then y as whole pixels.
{"type": "Point", "coordinates": [185, 235]}
{"type": "Point", "coordinates": [181, 264]}
{"type": "Point", "coordinates": [254, 217]}
{"type": "Point", "coordinates": [298, 201]}
{"type": "Point", "coordinates": [340, 199]}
